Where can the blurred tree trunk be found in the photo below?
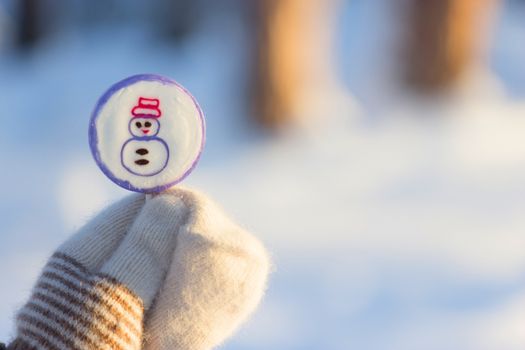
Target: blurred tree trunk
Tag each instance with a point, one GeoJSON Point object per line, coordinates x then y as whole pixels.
{"type": "Point", "coordinates": [443, 38]}
{"type": "Point", "coordinates": [28, 23]}
{"type": "Point", "coordinates": [177, 18]}
{"type": "Point", "coordinates": [293, 42]}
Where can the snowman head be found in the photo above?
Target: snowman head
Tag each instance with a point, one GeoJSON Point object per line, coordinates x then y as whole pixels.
{"type": "Point", "coordinates": [144, 127]}
{"type": "Point", "coordinates": [145, 117]}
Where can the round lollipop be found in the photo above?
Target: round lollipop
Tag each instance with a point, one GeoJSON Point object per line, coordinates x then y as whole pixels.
{"type": "Point", "coordinates": [146, 133]}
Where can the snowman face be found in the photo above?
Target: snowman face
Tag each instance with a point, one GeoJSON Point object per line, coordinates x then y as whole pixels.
{"type": "Point", "coordinates": [144, 127]}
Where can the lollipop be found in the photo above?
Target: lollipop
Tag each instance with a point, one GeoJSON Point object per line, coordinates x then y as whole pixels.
{"type": "Point", "coordinates": [147, 133]}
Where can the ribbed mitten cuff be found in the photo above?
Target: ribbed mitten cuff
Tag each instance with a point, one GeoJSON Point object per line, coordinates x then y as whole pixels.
{"type": "Point", "coordinates": [71, 308]}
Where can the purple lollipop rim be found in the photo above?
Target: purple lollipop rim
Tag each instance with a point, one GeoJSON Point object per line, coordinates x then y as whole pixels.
{"type": "Point", "coordinates": [93, 136]}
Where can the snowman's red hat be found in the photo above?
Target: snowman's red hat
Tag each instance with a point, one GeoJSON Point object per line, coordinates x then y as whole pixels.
{"type": "Point", "coordinates": [147, 108]}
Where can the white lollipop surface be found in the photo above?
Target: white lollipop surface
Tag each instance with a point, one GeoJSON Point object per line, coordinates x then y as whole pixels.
{"type": "Point", "coordinates": [147, 133]}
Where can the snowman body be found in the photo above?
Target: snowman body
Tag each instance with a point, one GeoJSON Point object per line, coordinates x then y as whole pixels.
{"type": "Point", "coordinates": [145, 156]}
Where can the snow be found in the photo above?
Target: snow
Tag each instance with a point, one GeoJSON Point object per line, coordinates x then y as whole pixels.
{"type": "Point", "coordinates": [394, 222]}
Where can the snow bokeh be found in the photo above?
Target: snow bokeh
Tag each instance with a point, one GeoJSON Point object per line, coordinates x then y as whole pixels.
{"type": "Point", "coordinates": [394, 223]}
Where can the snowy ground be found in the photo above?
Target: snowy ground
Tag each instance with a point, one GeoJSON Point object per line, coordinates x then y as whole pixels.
{"type": "Point", "coordinates": [394, 226]}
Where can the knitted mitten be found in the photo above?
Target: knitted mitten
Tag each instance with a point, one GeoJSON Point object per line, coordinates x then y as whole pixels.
{"type": "Point", "coordinates": [94, 290]}
{"type": "Point", "coordinates": [124, 279]}
{"type": "Point", "coordinates": [216, 279]}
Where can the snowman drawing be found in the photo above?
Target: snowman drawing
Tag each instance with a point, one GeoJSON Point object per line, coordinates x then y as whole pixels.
{"type": "Point", "coordinates": [145, 154]}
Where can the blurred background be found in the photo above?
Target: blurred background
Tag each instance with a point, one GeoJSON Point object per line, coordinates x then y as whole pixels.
{"type": "Point", "coordinates": [377, 147]}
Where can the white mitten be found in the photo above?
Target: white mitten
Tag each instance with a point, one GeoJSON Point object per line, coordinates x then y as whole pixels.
{"type": "Point", "coordinates": [124, 279]}
{"type": "Point", "coordinates": [216, 279]}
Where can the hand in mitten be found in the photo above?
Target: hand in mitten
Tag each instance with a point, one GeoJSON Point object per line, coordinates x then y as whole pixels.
{"type": "Point", "coordinates": [216, 279]}
{"type": "Point", "coordinates": [146, 274]}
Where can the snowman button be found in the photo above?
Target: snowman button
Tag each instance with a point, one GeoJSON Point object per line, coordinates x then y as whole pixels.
{"type": "Point", "coordinates": [142, 162]}
{"type": "Point", "coordinates": [147, 133]}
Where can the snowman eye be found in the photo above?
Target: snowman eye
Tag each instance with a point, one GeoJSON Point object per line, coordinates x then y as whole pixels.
{"type": "Point", "coordinates": [147, 124]}
{"type": "Point", "coordinates": [138, 124]}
